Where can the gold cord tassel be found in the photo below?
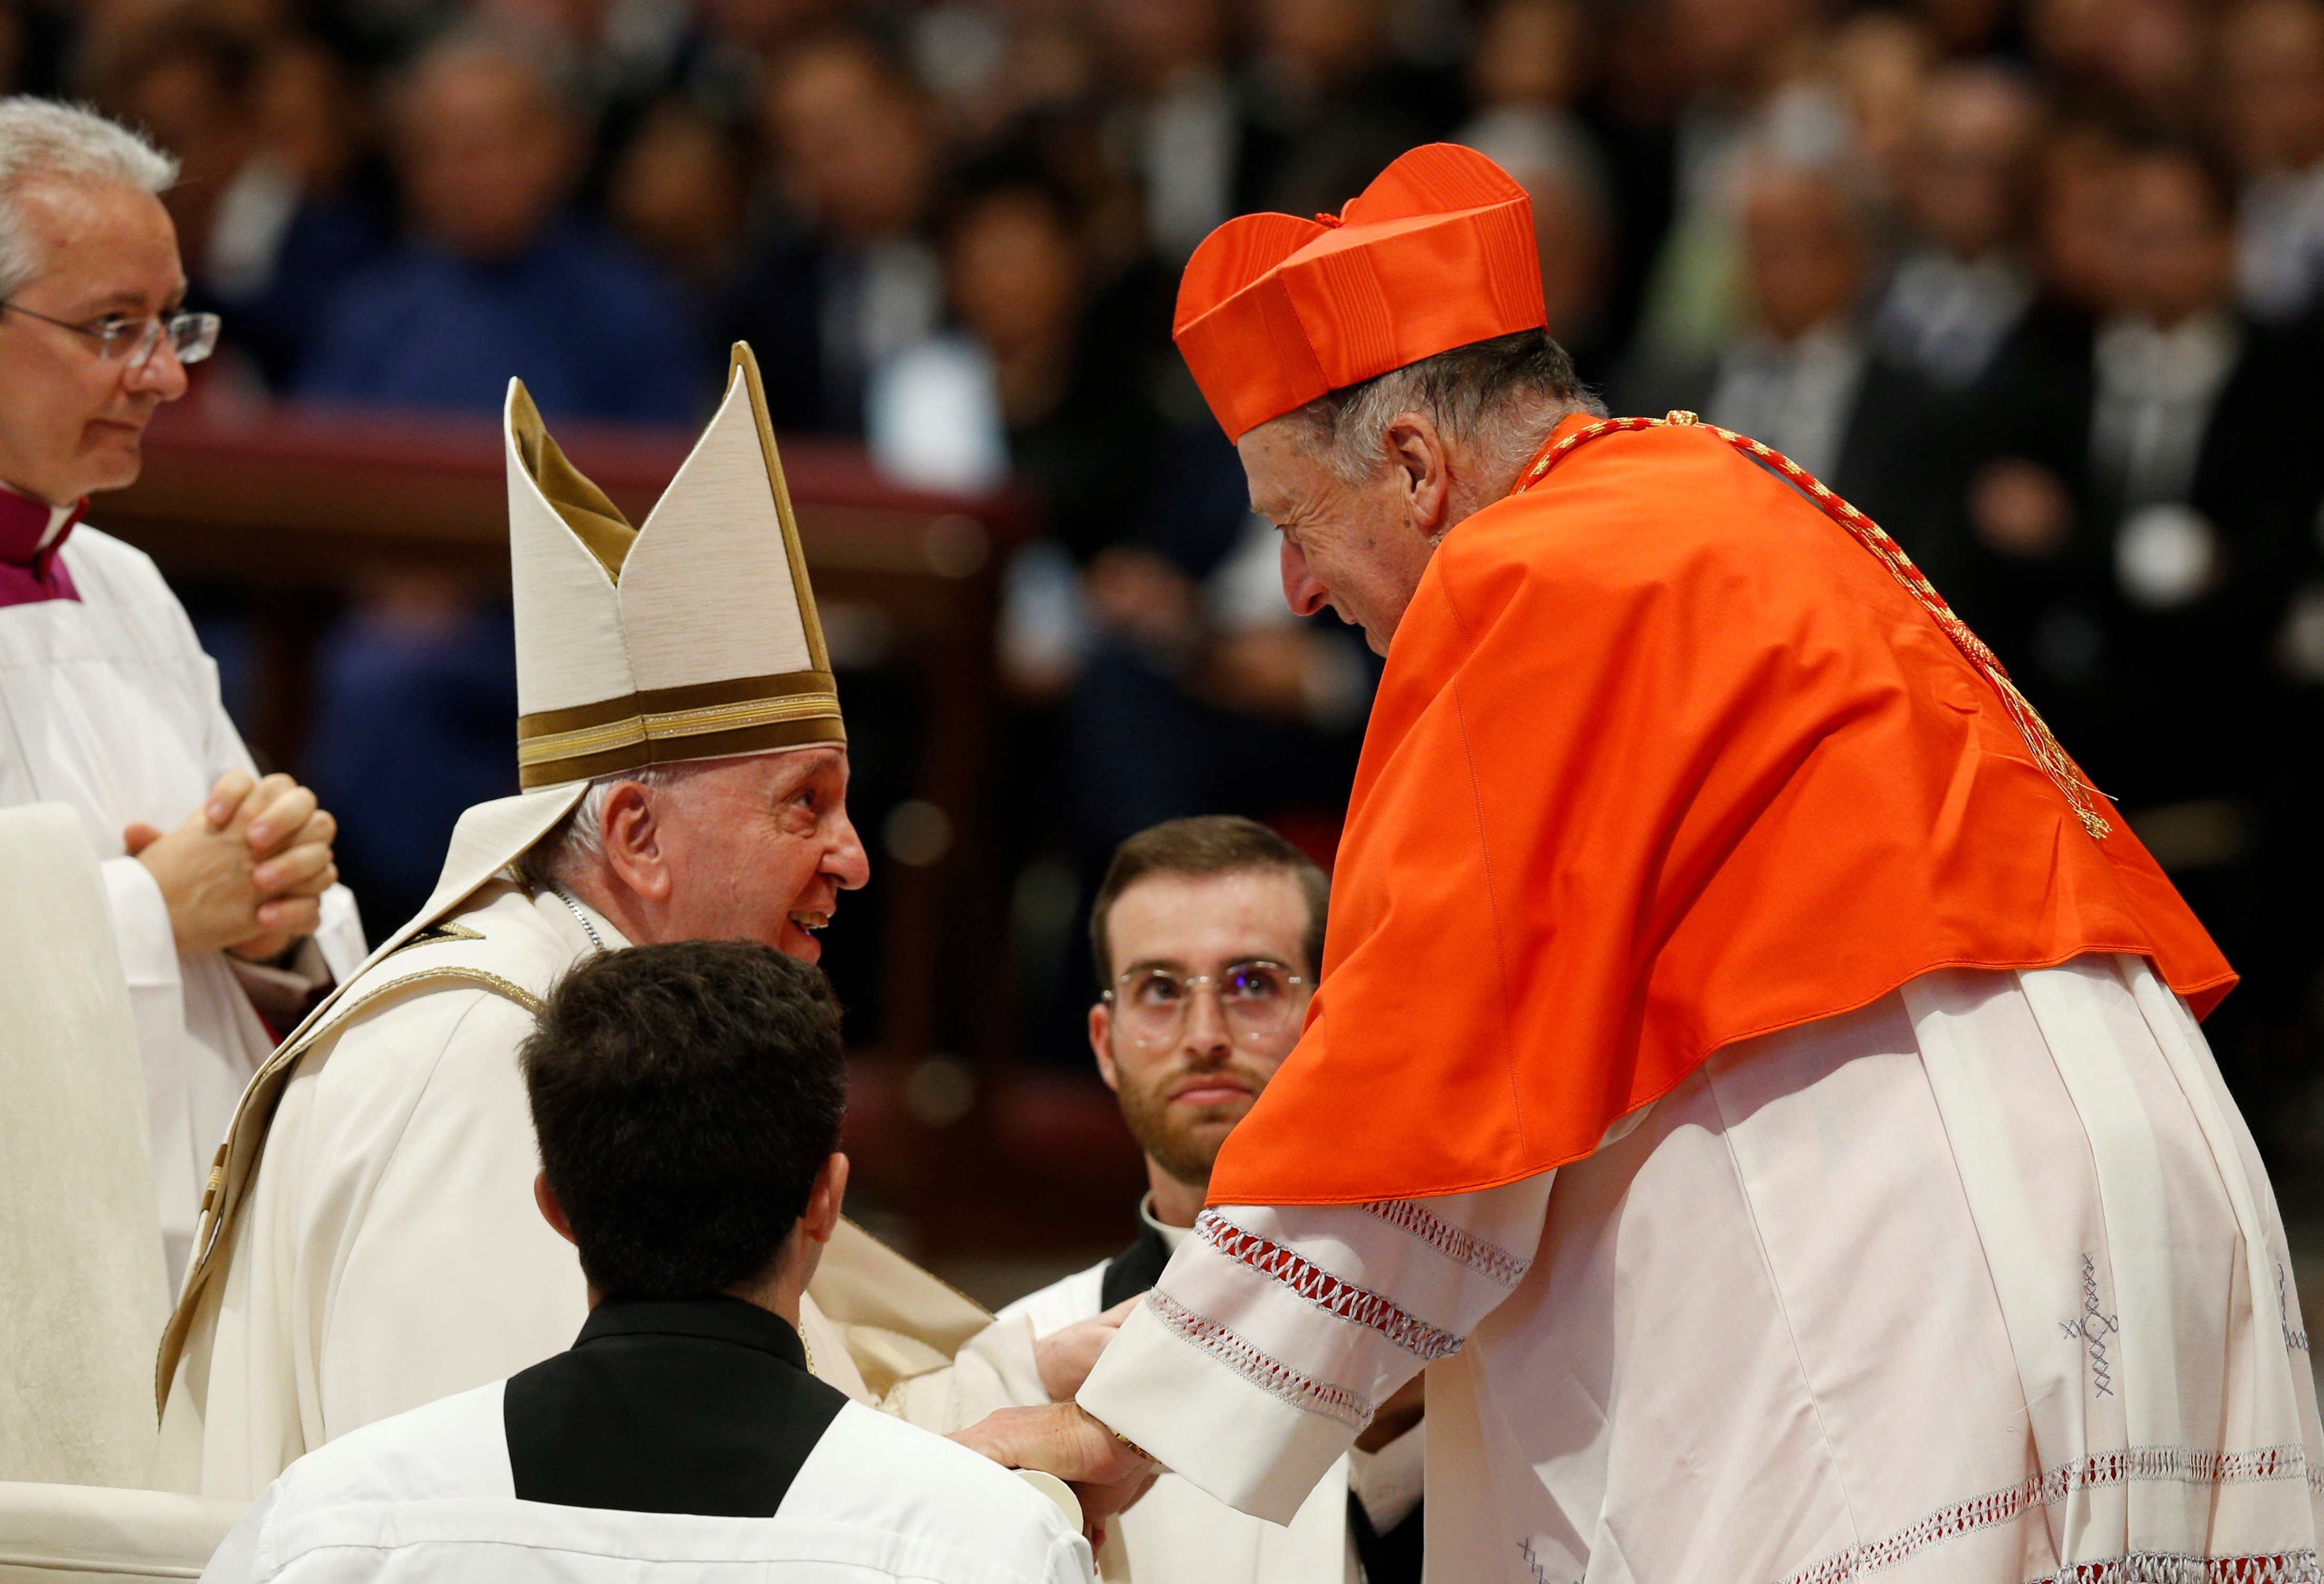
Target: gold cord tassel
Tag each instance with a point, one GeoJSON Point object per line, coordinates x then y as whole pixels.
{"type": "Point", "coordinates": [2080, 796]}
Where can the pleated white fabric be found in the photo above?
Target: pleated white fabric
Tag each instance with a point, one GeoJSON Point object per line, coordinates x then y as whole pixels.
{"type": "Point", "coordinates": [1983, 1282]}
{"type": "Point", "coordinates": [81, 1293]}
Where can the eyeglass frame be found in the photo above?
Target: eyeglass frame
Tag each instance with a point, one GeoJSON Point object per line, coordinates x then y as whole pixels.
{"type": "Point", "coordinates": [156, 327]}
{"type": "Point", "coordinates": [1210, 982]}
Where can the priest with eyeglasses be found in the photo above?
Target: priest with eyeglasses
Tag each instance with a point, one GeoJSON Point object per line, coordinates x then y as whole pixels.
{"type": "Point", "coordinates": [223, 894]}
{"type": "Point", "coordinates": [1206, 933]}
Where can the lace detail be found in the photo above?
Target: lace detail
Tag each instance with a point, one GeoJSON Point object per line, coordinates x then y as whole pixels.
{"type": "Point", "coordinates": [1495, 1264]}
{"type": "Point", "coordinates": [2171, 1567]}
{"type": "Point", "coordinates": [2184, 1465]}
{"type": "Point", "coordinates": [1304, 1393]}
{"type": "Point", "coordinates": [1324, 1290]}
{"type": "Point", "coordinates": [2295, 1340]}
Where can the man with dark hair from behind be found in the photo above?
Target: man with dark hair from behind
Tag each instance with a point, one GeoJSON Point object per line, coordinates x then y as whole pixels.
{"type": "Point", "coordinates": [687, 1101]}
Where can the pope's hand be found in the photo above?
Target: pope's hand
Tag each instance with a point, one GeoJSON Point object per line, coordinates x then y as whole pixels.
{"type": "Point", "coordinates": [245, 872]}
{"type": "Point", "coordinates": [1107, 1473]}
{"type": "Point", "coordinates": [1066, 1357]}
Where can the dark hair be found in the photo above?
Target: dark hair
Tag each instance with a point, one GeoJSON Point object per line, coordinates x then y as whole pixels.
{"type": "Point", "coordinates": [685, 1096]}
{"type": "Point", "coordinates": [1208, 844]}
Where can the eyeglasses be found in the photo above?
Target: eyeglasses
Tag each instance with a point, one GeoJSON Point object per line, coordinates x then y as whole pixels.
{"type": "Point", "coordinates": [1255, 1001]}
{"type": "Point", "coordinates": [119, 339]}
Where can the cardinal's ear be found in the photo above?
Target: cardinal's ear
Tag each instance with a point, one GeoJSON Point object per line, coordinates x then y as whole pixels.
{"type": "Point", "coordinates": [1422, 471]}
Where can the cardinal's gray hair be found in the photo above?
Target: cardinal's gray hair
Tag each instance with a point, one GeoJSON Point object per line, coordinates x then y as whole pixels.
{"type": "Point", "coordinates": [42, 137]}
{"type": "Point", "coordinates": [1501, 396]}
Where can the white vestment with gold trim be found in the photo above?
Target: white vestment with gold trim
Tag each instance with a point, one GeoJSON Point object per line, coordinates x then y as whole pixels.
{"type": "Point", "coordinates": [386, 1250]}
{"type": "Point", "coordinates": [1983, 1284]}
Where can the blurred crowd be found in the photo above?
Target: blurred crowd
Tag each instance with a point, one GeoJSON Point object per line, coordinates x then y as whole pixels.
{"type": "Point", "coordinates": [2032, 283]}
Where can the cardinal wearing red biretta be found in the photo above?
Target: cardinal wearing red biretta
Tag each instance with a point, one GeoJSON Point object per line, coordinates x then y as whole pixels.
{"type": "Point", "coordinates": [1754, 1072]}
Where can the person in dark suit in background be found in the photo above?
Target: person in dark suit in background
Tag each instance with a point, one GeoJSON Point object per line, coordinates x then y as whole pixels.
{"type": "Point", "coordinates": [1809, 378]}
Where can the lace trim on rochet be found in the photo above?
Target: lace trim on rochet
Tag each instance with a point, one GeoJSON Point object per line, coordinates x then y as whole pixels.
{"type": "Point", "coordinates": [1360, 1305]}
{"type": "Point", "coordinates": [1304, 1393]}
{"type": "Point", "coordinates": [2185, 1465]}
{"type": "Point", "coordinates": [2171, 1567]}
{"type": "Point", "coordinates": [1489, 1260]}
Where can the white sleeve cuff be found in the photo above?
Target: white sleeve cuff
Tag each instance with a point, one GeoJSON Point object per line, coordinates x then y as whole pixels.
{"type": "Point", "coordinates": [1390, 1481]}
{"type": "Point", "coordinates": [140, 925]}
{"type": "Point", "coordinates": [1210, 1423]}
{"type": "Point", "coordinates": [340, 935]}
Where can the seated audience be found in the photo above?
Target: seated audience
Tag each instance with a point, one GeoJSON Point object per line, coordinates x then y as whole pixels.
{"type": "Point", "coordinates": [1960, 290]}
{"type": "Point", "coordinates": [686, 1099]}
{"type": "Point", "coordinates": [841, 275]}
{"type": "Point", "coordinates": [264, 206]}
{"type": "Point", "coordinates": [2271, 94]}
{"type": "Point", "coordinates": [221, 884]}
{"type": "Point", "coordinates": [1207, 936]}
{"type": "Point", "coordinates": [1807, 378]}
{"type": "Point", "coordinates": [497, 277]}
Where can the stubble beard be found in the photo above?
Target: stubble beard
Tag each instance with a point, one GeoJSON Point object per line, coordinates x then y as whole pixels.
{"type": "Point", "coordinates": [1183, 1141]}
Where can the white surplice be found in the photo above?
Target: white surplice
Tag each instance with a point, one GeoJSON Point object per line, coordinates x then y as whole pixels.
{"type": "Point", "coordinates": [108, 704]}
{"type": "Point", "coordinates": [1983, 1282]}
{"type": "Point", "coordinates": [427, 1497]}
{"type": "Point", "coordinates": [1176, 1535]}
{"type": "Point", "coordinates": [391, 1252]}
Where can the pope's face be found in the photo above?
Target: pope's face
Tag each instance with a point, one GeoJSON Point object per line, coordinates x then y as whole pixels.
{"type": "Point", "coordinates": [1183, 1093]}
{"type": "Point", "coordinates": [760, 848]}
{"type": "Point", "coordinates": [70, 422]}
{"type": "Point", "coordinates": [1358, 548]}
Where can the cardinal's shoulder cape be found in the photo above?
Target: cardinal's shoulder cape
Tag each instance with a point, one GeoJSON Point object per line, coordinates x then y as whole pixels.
{"type": "Point", "coordinates": [1664, 758]}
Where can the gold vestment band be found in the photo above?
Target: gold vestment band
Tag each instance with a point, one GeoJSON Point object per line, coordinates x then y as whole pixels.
{"type": "Point", "coordinates": [710, 720]}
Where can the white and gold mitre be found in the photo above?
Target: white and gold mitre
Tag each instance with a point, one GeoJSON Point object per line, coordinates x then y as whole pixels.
{"type": "Point", "coordinates": [693, 637]}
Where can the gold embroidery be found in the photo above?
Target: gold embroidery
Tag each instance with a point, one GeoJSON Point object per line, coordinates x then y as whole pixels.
{"type": "Point", "coordinates": [633, 729]}
{"type": "Point", "coordinates": [217, 1206]}
{"type": "Point", "coordinates": [439, 935]}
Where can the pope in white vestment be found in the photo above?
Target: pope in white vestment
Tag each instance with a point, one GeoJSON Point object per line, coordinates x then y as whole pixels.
{"type": "Point", "coordinates": [371, 1244]}
{"type": "Point", "coordinates": [108, 704]}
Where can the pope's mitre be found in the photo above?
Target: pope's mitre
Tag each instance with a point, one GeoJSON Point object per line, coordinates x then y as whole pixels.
{"type": "Point", "coordinates": [693, 637]}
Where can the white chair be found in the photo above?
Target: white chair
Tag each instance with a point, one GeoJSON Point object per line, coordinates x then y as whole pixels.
{"type": "Point", "coordinates": [94, 1534]}
{"type": "Point", "coordinates": [82, 1291]}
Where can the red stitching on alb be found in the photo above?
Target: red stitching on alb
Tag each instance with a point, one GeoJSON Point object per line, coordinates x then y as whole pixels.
{"type": "Point", "coordinates": [2182, 1465]}
{"type": "Point", "coordinates": [1324, 1290]}
{"type": "Point", "coordinates": [1496, 1264]}
{"type": "Point", "coordinates": [1270, 1375]}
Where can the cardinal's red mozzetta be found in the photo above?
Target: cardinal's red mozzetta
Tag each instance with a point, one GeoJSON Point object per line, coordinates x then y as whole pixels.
{"type": "Point", "coordinates": [1664, 757]}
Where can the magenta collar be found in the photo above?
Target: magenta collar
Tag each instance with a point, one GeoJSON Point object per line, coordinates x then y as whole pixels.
{"type": "Point", "coordinates": [32, 537]}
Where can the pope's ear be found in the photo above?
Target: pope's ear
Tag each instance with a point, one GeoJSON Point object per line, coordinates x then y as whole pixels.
{"type": "Point", "coordinates": [630, 833]}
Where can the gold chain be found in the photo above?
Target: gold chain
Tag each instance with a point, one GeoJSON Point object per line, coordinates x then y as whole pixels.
{"type": "Point", "coordinates": [2080, 796]}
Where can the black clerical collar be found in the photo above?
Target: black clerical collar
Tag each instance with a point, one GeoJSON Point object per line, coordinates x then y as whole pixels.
{"type": "Point", "coordinates": [715, 1317]}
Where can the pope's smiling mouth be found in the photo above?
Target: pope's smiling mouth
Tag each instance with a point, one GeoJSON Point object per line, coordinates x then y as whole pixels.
{"type": "Point", "coordinates": [809, 922]}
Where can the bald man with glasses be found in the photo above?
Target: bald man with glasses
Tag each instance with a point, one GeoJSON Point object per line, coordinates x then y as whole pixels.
{"type": "Point", "coordinates": [220, 882]}
{"type": "Point", "coordinates": [1206, 933]}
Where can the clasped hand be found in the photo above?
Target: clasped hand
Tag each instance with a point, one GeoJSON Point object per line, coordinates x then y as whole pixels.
{"type": "Point", "coordinates": [246, 871]}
